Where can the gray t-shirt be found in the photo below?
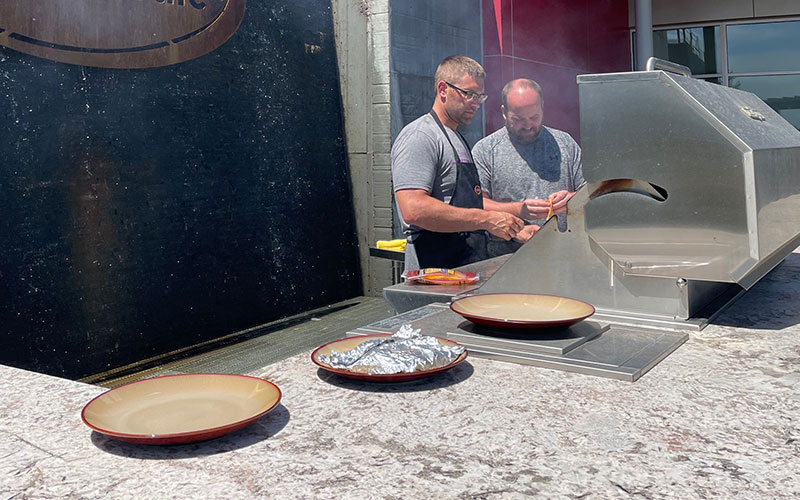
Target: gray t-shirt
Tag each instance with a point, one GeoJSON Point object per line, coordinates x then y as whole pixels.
{"type": "Point", "coordinates": [423, 159]}
{"type": "Point", "coordinates": [514, 172]}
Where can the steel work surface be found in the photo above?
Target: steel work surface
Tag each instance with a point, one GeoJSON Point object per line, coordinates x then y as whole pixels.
{"type": "Point", "coordinates": [405, 297]}
{"type": "Point", "coordinates": [588, 347]}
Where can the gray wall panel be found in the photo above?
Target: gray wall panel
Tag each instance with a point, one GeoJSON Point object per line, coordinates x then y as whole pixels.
{"type": "Point", "coordinates": [422, 34]}
{"type": "Point", "coordinates": [764, 8]}
{"type": "Point", "coordinates": [692, 11]}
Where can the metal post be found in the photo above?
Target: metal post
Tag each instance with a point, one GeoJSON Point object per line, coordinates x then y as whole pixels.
{"type": "Point", "coordinates": [644, 33]}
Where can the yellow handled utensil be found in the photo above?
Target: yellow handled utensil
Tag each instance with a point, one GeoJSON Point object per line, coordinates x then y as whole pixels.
{"type": "Point", "coordinates": [395, 245]}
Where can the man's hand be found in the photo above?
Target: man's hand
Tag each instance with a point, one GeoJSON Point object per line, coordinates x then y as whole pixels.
{"type": "Point", "coordinates": [526, 233]}
{"type": "Point", "coordinates": [535, 209]}
{"type": "Point", "coordinates": [538, 209]}
{"type": "Point", "coordinates": [503, 225]}
{"type": "Point", "coordinates": [560, 199]}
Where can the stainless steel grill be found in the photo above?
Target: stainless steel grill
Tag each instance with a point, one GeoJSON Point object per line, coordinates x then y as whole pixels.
{"type": "Point", "coordinates": [693, 195]}
{"type": "Point", "coordinates": [692, 187]}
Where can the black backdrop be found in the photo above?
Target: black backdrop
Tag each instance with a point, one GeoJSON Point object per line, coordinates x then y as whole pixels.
{"type": "Point", "coordinates": [146, 210]}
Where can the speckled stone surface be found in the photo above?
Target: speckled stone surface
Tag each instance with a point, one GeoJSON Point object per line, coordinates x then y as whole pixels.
{"type": "Point", "coordinates": [718, 418]}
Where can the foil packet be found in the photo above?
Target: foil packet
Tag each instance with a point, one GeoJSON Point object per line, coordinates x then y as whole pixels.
{"type": "Point", "coordinates": [406, 351]}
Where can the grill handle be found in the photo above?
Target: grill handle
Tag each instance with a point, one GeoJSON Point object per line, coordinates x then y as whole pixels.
{"type": "Point", "coordinates": [654, 63]}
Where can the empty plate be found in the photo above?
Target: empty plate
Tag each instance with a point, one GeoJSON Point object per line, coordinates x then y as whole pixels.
{"type": "Point", "coordinates": [174, 409]}
{"type": "Point", "coordinates": [522, 310]}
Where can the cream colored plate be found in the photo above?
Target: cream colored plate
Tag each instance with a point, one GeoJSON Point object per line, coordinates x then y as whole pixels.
{"type": "Point", "coordinates": [522, 310]}
{"type": "Point", "coordinates": [181, 408]}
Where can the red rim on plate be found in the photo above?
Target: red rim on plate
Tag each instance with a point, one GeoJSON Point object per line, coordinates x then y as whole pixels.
{"type": "Point", "coordinates": [184, 408]}
{"type": "Point", "coordinates": [348, 343]}
{"type": "Point", "coordinates": [522, 310]}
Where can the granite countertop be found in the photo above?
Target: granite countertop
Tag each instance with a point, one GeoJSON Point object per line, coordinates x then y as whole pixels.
{"type": "Point", "coordinates": [718, 418]}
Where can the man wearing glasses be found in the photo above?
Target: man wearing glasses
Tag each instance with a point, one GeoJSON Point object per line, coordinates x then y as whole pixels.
{"type": "Point", "coordinates": [444, 214]}
{"type": "Point", "coordinates": [530, 169]}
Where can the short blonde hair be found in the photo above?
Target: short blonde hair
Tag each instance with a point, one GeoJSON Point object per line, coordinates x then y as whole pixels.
{"type": "Point", "coordinates": [455, 68]}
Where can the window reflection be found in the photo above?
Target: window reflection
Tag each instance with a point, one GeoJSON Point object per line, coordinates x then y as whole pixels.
{"type": "Point", "coordinates": [780, 92]}
{"type": "Point", "coordinates": [769, 48]}
{"type": "Point", "coordinates": [696, 48]}
{"type": "Point", "coordinates": [764, 47]}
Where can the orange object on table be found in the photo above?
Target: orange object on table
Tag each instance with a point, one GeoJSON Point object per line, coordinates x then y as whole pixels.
{"type": "Point", "coordinates": [439, 276]}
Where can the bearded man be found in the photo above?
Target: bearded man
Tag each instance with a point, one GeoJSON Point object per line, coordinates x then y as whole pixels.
{"type": "Point", "coordinates": [528, 169]}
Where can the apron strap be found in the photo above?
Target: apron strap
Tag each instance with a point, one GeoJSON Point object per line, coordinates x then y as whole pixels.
{"type": "Point", "coordinates": [447, 136]}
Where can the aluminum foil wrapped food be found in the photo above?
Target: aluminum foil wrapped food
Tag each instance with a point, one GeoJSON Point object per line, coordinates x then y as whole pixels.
{"type": "Point", "coordinates": [406, 351]}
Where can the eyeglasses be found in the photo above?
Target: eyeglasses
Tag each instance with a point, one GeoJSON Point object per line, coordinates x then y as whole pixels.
{"type": "Point", "coordinates": [469, 95]}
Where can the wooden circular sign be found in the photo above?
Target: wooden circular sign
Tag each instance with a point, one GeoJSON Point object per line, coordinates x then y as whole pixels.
{"type": "Point", "coordinates": [118, 33]}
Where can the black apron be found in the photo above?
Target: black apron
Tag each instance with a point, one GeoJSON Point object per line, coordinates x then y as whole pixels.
{"type": "Point", "coordinates": [450, 250]}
